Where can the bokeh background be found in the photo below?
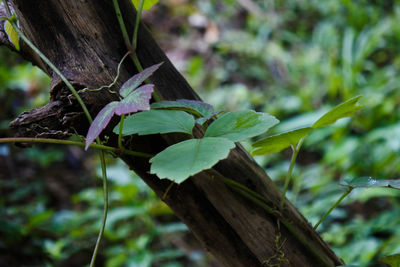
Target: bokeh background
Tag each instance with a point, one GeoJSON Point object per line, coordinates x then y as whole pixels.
{"type": "Point", "coordinates": [294, 59]}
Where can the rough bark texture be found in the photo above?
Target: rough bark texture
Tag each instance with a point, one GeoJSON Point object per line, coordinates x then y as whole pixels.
{"type": "Point", "coordinates": [82, 38]}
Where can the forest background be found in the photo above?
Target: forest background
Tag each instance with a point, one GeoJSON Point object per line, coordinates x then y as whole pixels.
{"type": "Point", "coordinates": [292, 59]}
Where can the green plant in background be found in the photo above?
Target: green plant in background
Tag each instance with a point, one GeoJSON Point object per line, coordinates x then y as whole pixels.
{"type": "Point", "coordinates": [306, 56]}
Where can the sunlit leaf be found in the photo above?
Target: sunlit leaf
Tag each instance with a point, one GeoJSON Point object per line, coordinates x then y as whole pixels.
{"type": "Point", "coordinates": [12, 34]}
{"type": "Point", "coordinates": [148, 4]}
{"type": "Point", "coordinates": [276, 143]}
{"type": "Point", "coordinates": [100, 122]}
{"type": "Point", "coordinates": [195, 107]}
{"type": "Point", "coordinates": [157, 121]}
{"type": "Point", "coordinates": [180, 161]}
{"type": "Point", "coordinates": [392, 260]}
{"type": "Point", "coordinates": [370, 182]}
{"type": "Point", "coordinates": [137, 80]}
{"type": "Point", "coordinates": [240, 125]}
{"type": "Point", "coordinates": [345, 109]}
{"type": "Point", "coordinates": [136, 101]}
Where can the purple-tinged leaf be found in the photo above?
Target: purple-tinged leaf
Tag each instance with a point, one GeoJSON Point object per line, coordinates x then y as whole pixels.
{"type": "Point", "coordinates": [137, 100]}
{"type": "Point", "coordinates": [195, 107]}
{"type": "Point", "coordinates": [100, 122]}
{"type": "Point", "coordinates": [137, 80]}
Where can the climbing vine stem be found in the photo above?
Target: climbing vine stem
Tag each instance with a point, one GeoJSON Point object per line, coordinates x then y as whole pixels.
{"type": "Point", "coordinates": [105, 210]}
{"type": "Point", "coordinates": [348, 191]}
{"type": "Point", "coordinates": [295, 152]}
{"type": "Point", "coordinates": [122, 24]}
{"type": "Point", "coordinates": [135, 32]}
{"type": "Point", "coordinates": [261, 202]}
{"type": "Point", "coordinates": [74, 143]}
{"type": "Point", "coordinates": [85, 110]}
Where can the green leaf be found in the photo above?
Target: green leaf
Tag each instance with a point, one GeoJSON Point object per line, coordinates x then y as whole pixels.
{"type": "Point", "coordinates": [12, 34]}
{"type": "Point", "coordinates": [370, 182]}
{"type": "Point", "coordinates": [392, 260]}
{"type": "Point", "coordinates": [345, 109]}
{"type": "Point", "coordinates": [240, 125]}
{"type": "Point", "coordinates": [157, 121]}
{"type": "Point", "coordinates": [197, 108]}
{"type": "Point", "coordinates": [148, 4]}
{"type": "Point", "coordinates": [276, 143]}
{"type": "Point", "coordinates": [184, 159]}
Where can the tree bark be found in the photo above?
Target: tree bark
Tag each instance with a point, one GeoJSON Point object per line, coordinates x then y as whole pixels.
{"type": "Point", "coordinates": [82, 38]}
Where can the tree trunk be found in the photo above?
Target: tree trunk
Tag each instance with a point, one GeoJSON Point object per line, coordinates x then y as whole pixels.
{"type": "Point", "coordinates": [83, 39]}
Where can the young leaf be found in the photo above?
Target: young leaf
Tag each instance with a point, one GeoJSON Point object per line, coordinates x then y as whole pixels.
{"type": "Point", "coordinates": [157, 121]}
{"type": "Point", "coordinates": [370, 182]}
{"type": "Point", "coordinates": [100, 122]}
{"type": "Point", "coordinates": [184, 159]}
{"type": "Point", "coordinates": [197, 108]}
{"type": "Point", "coordinates": [240, 125]}
{"type": "Point", "coordinates": [12, 34]}
{"type": "Point", "coordinates": [345, 109]}
{"type": "Point", "coordinates": [137, 80]}
{"type": "Point", "coordinates": [392, 260]}
{"type": "Point", "coordinates": [276, 143]}
{"type": "Point", "coordinates": [148, 4]}
{"type": "Point", "coordinates": [135, 101]}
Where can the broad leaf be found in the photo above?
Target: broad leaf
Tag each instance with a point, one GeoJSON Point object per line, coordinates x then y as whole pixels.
{"type": "Point", "coordinates": [12, 34]}
{"type": "Point", "coordinates": [240, 125]}
{"type": "Point", "coordinates": [370, 182]}
{"type": "Point", "coordinates": [392, 260]}
{"type": "Point", "coordinates": [197, 108]}
{"type": "Point", "coordinates": [182, 160]}
{"type": "Point", "coordinates": [137, 80]}
{"type": "Point", "coordinates": [276, 143]}
{"type": "Point", "coordinates": [136, 101]}
{"type": "Point", "coordinates": [157, 121]}
{"type": "Point", "coordinates": [100, 122]}
{"type": "Point", "coordinates": [345, 109]}
{"type": "Point", "coordinates": [148, 4]}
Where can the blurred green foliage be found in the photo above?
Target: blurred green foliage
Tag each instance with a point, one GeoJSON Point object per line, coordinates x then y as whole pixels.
{"type": "Point", "coordinates": [291, 58]}
{"type": "Point", "coordinates": [294, 59]}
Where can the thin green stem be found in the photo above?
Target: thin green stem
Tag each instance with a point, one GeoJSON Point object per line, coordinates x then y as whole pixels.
{"type": "Point", "coordinates": [135, 32]}
{"type": "Point", "coordinates": [74, 143]}
{"type": "Point", "coordinates": [133, 47]}
{"type": "Point", "coordinates": [262, 203]}
{"type": "Point", "coordinates": [105, 211]}
{"type": "Point", "coordinates": [122, 25]}
{"type": "Point", "coordinates": [113, 82]}
{"type": "Point", "coordinates": [136, 61]}
{"type": "Point", "coordinates": [48, 62]}
{"type": "Point", "coordinates": [295, 152]}
{"type": "Point", "coordinates": [246, 192]}
{"type": "Point", "coordinates": [125, 35]}
{"type": "Point", "coordinates": [348, 191]}
{"type": "Point", "coordinates": [167, 190]}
